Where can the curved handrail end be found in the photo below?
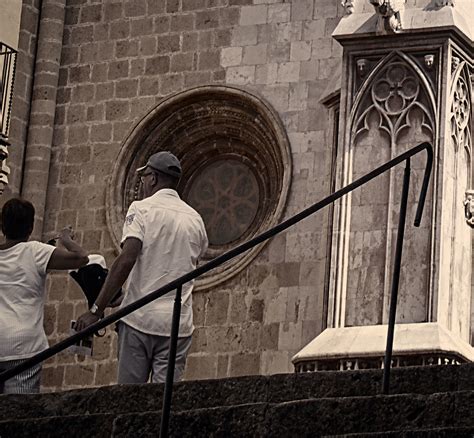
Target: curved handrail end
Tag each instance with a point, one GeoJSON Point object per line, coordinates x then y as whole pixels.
{"type": "Point", "coordinates": [426, 181]}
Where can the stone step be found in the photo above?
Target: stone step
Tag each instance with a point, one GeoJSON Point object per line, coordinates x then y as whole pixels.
{"type": "Point", "coordinates": [394, 414]}
{"type": "Point", "coordinates": [443, 432]}
{"type": "Point", "coordinates": [120, 399]}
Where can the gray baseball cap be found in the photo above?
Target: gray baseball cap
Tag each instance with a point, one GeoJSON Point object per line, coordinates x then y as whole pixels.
{"type": "Point", "coordinates": [164, 162]}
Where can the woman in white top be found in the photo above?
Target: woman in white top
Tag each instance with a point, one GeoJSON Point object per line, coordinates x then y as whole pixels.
{"type": "Point", "coordinates": [23, 267]}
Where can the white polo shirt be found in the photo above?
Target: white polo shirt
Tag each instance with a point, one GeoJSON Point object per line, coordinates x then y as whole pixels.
{"type": "Point", "coordinates": [173, 237]}
{"type": "Point", "coordinates": [22, 296]}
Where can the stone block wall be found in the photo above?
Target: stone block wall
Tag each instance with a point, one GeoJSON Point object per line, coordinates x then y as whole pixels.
{"type": "Point", "coordinates": [121, 58]}
{"type": "Point", "coordinates": [118, 60]}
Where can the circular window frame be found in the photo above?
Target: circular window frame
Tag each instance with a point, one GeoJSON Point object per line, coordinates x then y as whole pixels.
{"type": "Point", "coordinates": [143, 140]}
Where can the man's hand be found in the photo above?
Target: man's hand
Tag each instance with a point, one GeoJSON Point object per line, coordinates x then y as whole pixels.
{"type": "Point", "coordinates": [85, 320]}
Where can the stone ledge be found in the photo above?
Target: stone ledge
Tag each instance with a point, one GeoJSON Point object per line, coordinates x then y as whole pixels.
{"type": "Point", "coordinates": [370, 341]}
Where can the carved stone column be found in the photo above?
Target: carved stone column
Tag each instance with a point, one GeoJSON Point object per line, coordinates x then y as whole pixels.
{"type": "Point", "coordinates": [406, 79]}
{"type": "Point", "coordinates": [43, 108]}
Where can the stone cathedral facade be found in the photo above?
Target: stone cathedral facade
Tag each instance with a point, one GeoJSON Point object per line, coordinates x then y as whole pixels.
{"type": "Point", "coordinates": [271, 105]}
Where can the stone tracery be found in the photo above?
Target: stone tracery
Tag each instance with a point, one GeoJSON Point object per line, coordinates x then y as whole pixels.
{"type": "Point", "coordinates": [461, 135]}
{"type": "Point", "coordinates": [460, 113]}
{"type": "Point", "coordinates": [394, 95]}
{"type": "Point", "coordinates": [227, 195]}
{"type": "Point", "coordinates": [392, 108]}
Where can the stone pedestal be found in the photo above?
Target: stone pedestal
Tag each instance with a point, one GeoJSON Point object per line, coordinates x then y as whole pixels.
{"type": "Point", "coordinates": [354, 348]}
{"type": "Point", "coordinates": [406, 78]}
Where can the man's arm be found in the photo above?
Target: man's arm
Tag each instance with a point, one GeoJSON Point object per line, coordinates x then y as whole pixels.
{"type": "Point", "coordinates": [72, 256]}
{"type": "Point", "coordinates": [118, 273]}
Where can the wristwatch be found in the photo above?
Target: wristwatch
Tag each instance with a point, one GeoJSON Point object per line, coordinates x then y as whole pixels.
{"type": "Point", "coordinates": [94, 309]}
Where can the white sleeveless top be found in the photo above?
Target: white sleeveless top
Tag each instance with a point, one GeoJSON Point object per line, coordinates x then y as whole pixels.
{"type": "Point", "coordinates": [22, 296]}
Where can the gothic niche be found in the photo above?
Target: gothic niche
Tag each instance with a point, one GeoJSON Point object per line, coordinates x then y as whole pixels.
{"type": "Point", "coordinates": [458, 185]}
{"type": "Point", "coordinates": [236, 166]}
{"type": "Point", "coordinates": [461, 130]}
{"type": "Point", "coordinates": [392, 112]}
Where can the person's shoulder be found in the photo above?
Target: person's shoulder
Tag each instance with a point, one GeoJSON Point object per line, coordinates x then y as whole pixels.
{"type": "Point", "coordinates": [139, 205]}
{"type": "Point", "coordinates": [188, 208]}
{"type": "Point", "coordinates": [31, 248]}
{"type": "Point", "coordinates": [36, 243]}
{"type": "Point", "coordinates": [39, 246]}
{"type": "Point", "coordinates": [192, 212]}
{"type": "Point", "coordinates": [30, 244]}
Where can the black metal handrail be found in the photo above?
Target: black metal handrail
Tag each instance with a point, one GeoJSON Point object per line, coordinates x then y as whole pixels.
{"type": "Point", "coordinates": [177, 284]}
{"type": "Point", "coordinates": [7, 77]}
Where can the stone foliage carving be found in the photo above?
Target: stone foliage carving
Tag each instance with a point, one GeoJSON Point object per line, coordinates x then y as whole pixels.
{"type": "Point", "coordinates": [388, 12]}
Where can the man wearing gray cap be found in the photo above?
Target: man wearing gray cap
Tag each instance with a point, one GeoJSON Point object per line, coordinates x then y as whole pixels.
{"type": "Point", "coordinates": [162, 239]}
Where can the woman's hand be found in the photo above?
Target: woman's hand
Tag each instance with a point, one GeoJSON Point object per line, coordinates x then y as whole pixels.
{"type": "Point", "coordinates": [66, 233]}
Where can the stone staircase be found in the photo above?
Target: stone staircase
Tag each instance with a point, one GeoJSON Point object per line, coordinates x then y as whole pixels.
{"type": "Point", "coordinates": [435, 401]}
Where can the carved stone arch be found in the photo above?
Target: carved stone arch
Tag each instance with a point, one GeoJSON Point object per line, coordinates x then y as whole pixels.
{"type": "Point", "coordinates": [394, 109]}
{"type": "Point", "coordinates": [461, 107]}
{"type": "Point", "coordinates": [427, 82]}
{"type": "Point", "coordinates": [458, 167]}
{"type": "Point", "coordinates": [236, 163]}
{"type": "Point", "coordinates": [369, 98]}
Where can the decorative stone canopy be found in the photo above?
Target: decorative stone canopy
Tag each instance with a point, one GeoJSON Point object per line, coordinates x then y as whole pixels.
{"type": "Point", "coordinates": [364, 347]}
{"type": "Point", "coordinates": [425, 68]}
{"type": "Point", "coordinates": [236, 165]}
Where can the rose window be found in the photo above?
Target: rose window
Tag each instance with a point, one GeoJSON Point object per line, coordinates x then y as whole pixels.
{"type": "Point", "coordinates": [227, 196]}
{"type": "Point", "coordinates": [236, 164]}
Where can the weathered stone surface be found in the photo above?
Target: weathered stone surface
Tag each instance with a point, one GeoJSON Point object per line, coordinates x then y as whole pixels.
{"type": "Point", "coordinates": [73, 426]}
{"type": "Point", "coordinates": [252, 406]}
{"type": "Point", "coordinates": [118, 60]}
{"type": "Point", "coordinates": [274, 389]}
{"type": "Point", "coordinates": [445, 432]}
{"type": "Point", "coordinates": [361, 414]}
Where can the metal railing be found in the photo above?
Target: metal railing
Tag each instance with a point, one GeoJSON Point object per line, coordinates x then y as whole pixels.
{"type": "Point", "coordinates": [177, 284]}
{"type": "Point", "coordinates": [7, 76]}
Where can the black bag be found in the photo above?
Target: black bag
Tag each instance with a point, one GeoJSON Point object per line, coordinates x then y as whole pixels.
{"type": "Point", "coordinates": [90, 278]}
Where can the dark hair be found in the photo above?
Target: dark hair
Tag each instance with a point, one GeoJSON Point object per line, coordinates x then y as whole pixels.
{"type": "Point", "coordinates": [18, 216]}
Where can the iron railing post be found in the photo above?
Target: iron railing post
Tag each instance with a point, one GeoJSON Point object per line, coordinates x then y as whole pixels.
{"type": "Point", "coordinates": [396, 279]}
{"type": "Point", "coordinates": [168, 392]}
{"type": "Point", "coordinates": [8, 58]}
